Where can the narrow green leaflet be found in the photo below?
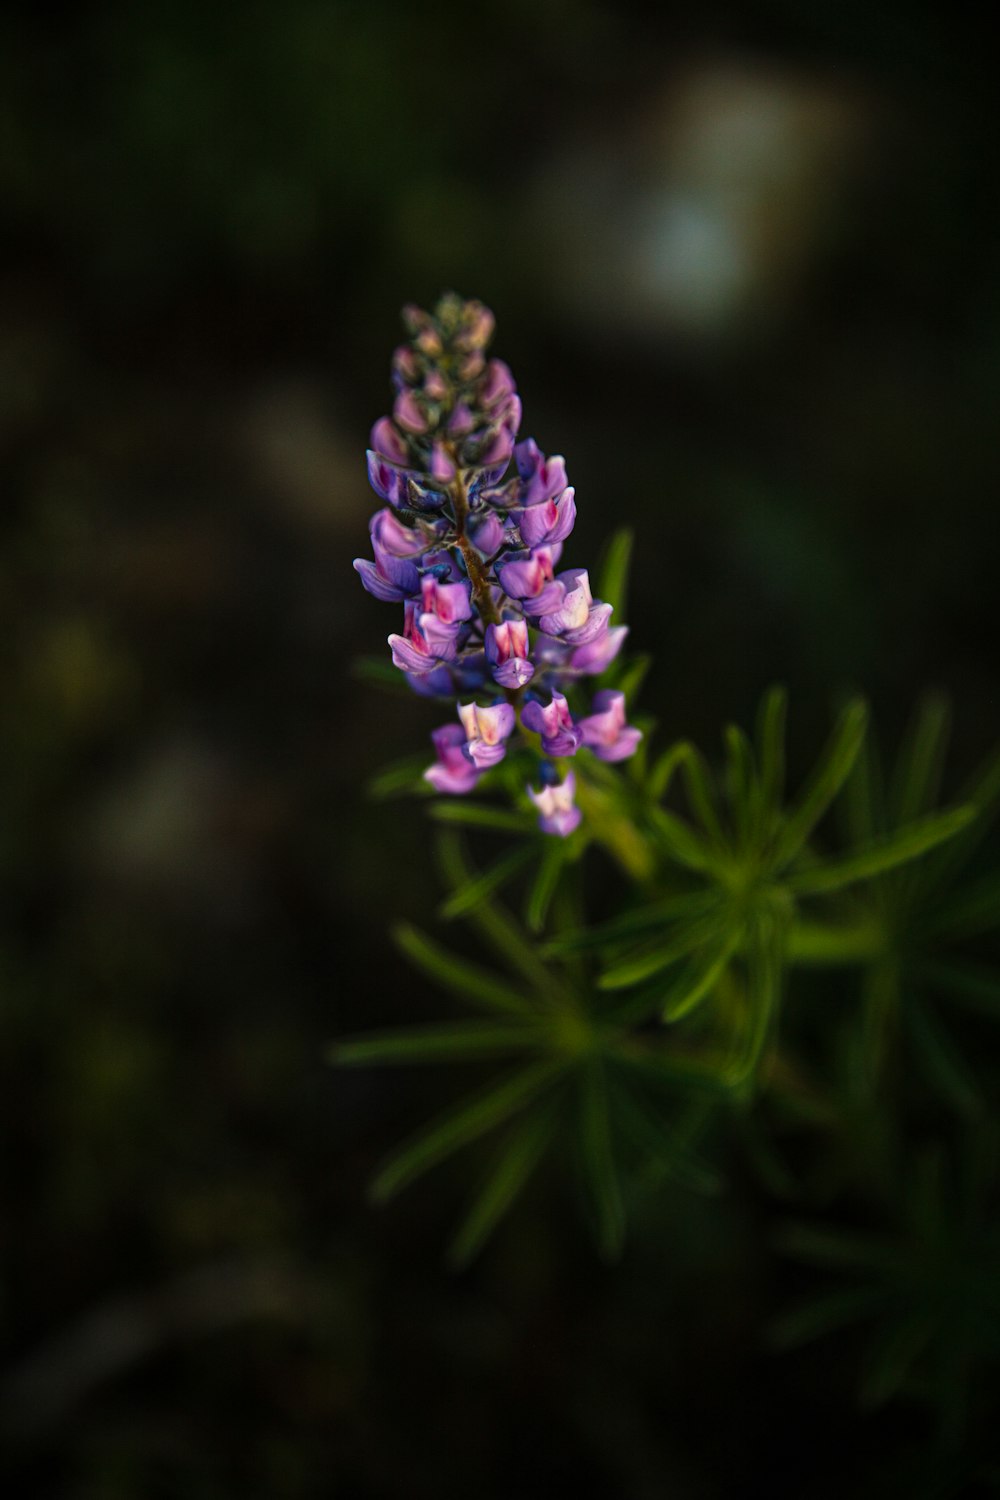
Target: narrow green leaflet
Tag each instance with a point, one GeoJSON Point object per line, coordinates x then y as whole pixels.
{"type": "Point", "coordinates": [474, 1117]}
{"type": "Point", "coordinates": [699, 980]}
{"type": "Point", "coordinates": [454, 1042]}
{"type": "Point", "coordinates": [612, 576]}
{"type": "Point", "coordinates": [838, 1249]}
{"type": "Point", "coordinates": [643, 919]}
{"type": "Point", "coordinates": [480, 815]}
{"type": "Point", "coordinates": [506, 937]}
{"type": "Point", "coordinates": [517, 1159]}
{"type": "Point", "coordinates": [649, 960]}
{"type": "Point", "coordinates": [917, 777]}
{"type": "Point", "coordinates": [771, 748]}
{"type": "Point", "coordinates": [469, 895]}
{"type": "Point", "coordinates": [741, 778]}
{"type": "Point", "coordinates": [897, 849]}
{"type": "Point", "coordinates": [543, 886]}
{"type": "Point", "coordinates": [829, 776]}
{"type": "Point", "coordinates": [404, 776]}
{"type": "Point", "coordinates": [892, 1356]}
{"type": "Point", "coordinates": [478, 986]}
{"type": "Point", "coordinates": [597, 1157]}
{"type": "Point", "coordinates": [824, 1314]}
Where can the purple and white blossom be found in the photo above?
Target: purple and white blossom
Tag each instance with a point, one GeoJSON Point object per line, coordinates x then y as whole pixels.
{"type": "Point", "coordinates": [469, 546]}
{"type": "Point", "coordinates": [605, 730]}
{"type": "Point", "coordinates": [554, 722]}
{"type": "Point", "coordinates": [558, 811]}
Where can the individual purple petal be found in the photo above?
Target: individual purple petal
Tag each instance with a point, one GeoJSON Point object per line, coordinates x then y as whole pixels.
{"type": "Point", "coordinates": [507, 653]}
{"type": "Point", "coordinates": [461, 420]}
{"type": "Point", "coordinates": [605, 730]}
{"type": "Point", "coordinates": [549, 520]}
{"type": "Point", "coordinates": [449, 602]}
{"type": "Point", "coordinates": [524, 575]}
{"type": "Point", "coordinates": [453, 772]}
{"type": "Point", "coordinates": [541, 478]}
{"type": "Point", "coordinates": [388, 578]}
{"type": "Point", "coordinates": [558, 812]}
{"type": "Point", "coordinates": [389, 533]}
{"type": "Point", "coordinates": [442, 464]}
{"type": "Point", "coordinates": [406, 364]}
{"type": "Point", "coordinates": [497, 449]}
{"type": "Point", "coordinates": [435, 385]}
{"type": "Point", "coordinates": [599, 653]}
{"type": "Point", "coordinates": [554, 722]}
{"type": "Point", "coordinates": [389, 443]}
{"type": "Point", "coordinates": [409, 414]}
{"type": "Point", "coordinates": [486, 532]}
{"type": "Point", "coordinates": [579, 618]}
{"type": "Point", "coordinates": [388, 482]}
{"type": "Point", "coordinates": [497, 384]}
{"type": "Point", "coordinates": [425, 642]}
{"type": "Point", "coordinates": [486, 729]}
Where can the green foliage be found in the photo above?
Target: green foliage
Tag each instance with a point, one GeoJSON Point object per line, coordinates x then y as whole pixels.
{"type": "Point", "coordinates": [690, 1019]}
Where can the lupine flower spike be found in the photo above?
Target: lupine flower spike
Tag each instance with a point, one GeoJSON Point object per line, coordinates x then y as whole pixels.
{"type": "Point", "coordinates": [471, 551]}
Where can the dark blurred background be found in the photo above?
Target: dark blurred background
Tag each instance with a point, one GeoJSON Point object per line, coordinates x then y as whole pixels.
{"type": "Point", "coordinates": [742, 258]}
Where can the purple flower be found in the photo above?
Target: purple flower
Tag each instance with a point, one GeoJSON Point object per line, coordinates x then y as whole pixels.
{"type": "Point", "coordinates": [486, 532]}
{"type": "Point", "coordinates": [453, 772]}
{"type": "Point", "coordinates": [578, 618]}
{"type": "Point", "coordinates": [426, 641]}
{"type": "Point", "coordinates": [549, 521]}
{"type": "Point", "coordinates": [541, 478]}
{"type": "Point", "coordinates": [559, 813]}
{"type": "Point", "coordinates": [485, 732]}
{"type": "Point", "coordinates": [596, 655]}
{"type": "Point", "coordinates": [388, 482]}
{"type": "Point", "coordinates": [497, 384]}
{"type": "Point", "coordinates": [390, 443]}
{"type": "Point", "coordinates": [529, 576]}
{"type": "Point", "coordinates": [409, 414]}
{"type": "Point", "coordinates": [450, 602]}
{"type": "Point", "coordinates": [605, 730]}
{"type": "Point", "coordinates": [507, 653]}
{"type": "Point", "coordinates": [560, 736]}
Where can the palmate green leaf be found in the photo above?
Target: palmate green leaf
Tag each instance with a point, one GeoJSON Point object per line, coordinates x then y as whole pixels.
{"type": "Point", "coordinates": [473, 984]}
{"type": "Point", "coordinates": [469, 895]}
{"type": "Point", "coordinates": [831, 772]}
{"type": "Point", "coordinates": [515, 1162]}
{"type": "Point", "coordinates": [597, 1158]}
{"type": "Point", "coordinates": [506, 937]}
{"type": "Point", "coordinates": [944, 1066]}
{"type": "Point", "coordinates": [457, 1041]}
{"type": "Point", "coordinates": [612, 575]}
{"type": "Point", "coordinates": [478, 1114]}
{"type": "Point", "coordinates": [894, 850]}
{"type": "Point", "coordinates": [771, 748]}
{"type": "Point", "coordinates": [700, 979]}
{"type": "Point", "coordinates": [681, 841]}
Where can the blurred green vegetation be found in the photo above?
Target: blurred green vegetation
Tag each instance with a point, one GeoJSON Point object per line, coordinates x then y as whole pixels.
{"type": "Point", "coordinates": [742, 265]}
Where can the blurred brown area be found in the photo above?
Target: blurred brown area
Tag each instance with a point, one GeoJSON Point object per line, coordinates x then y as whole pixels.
{"type": "Point", "coordinates": [743, 266]}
